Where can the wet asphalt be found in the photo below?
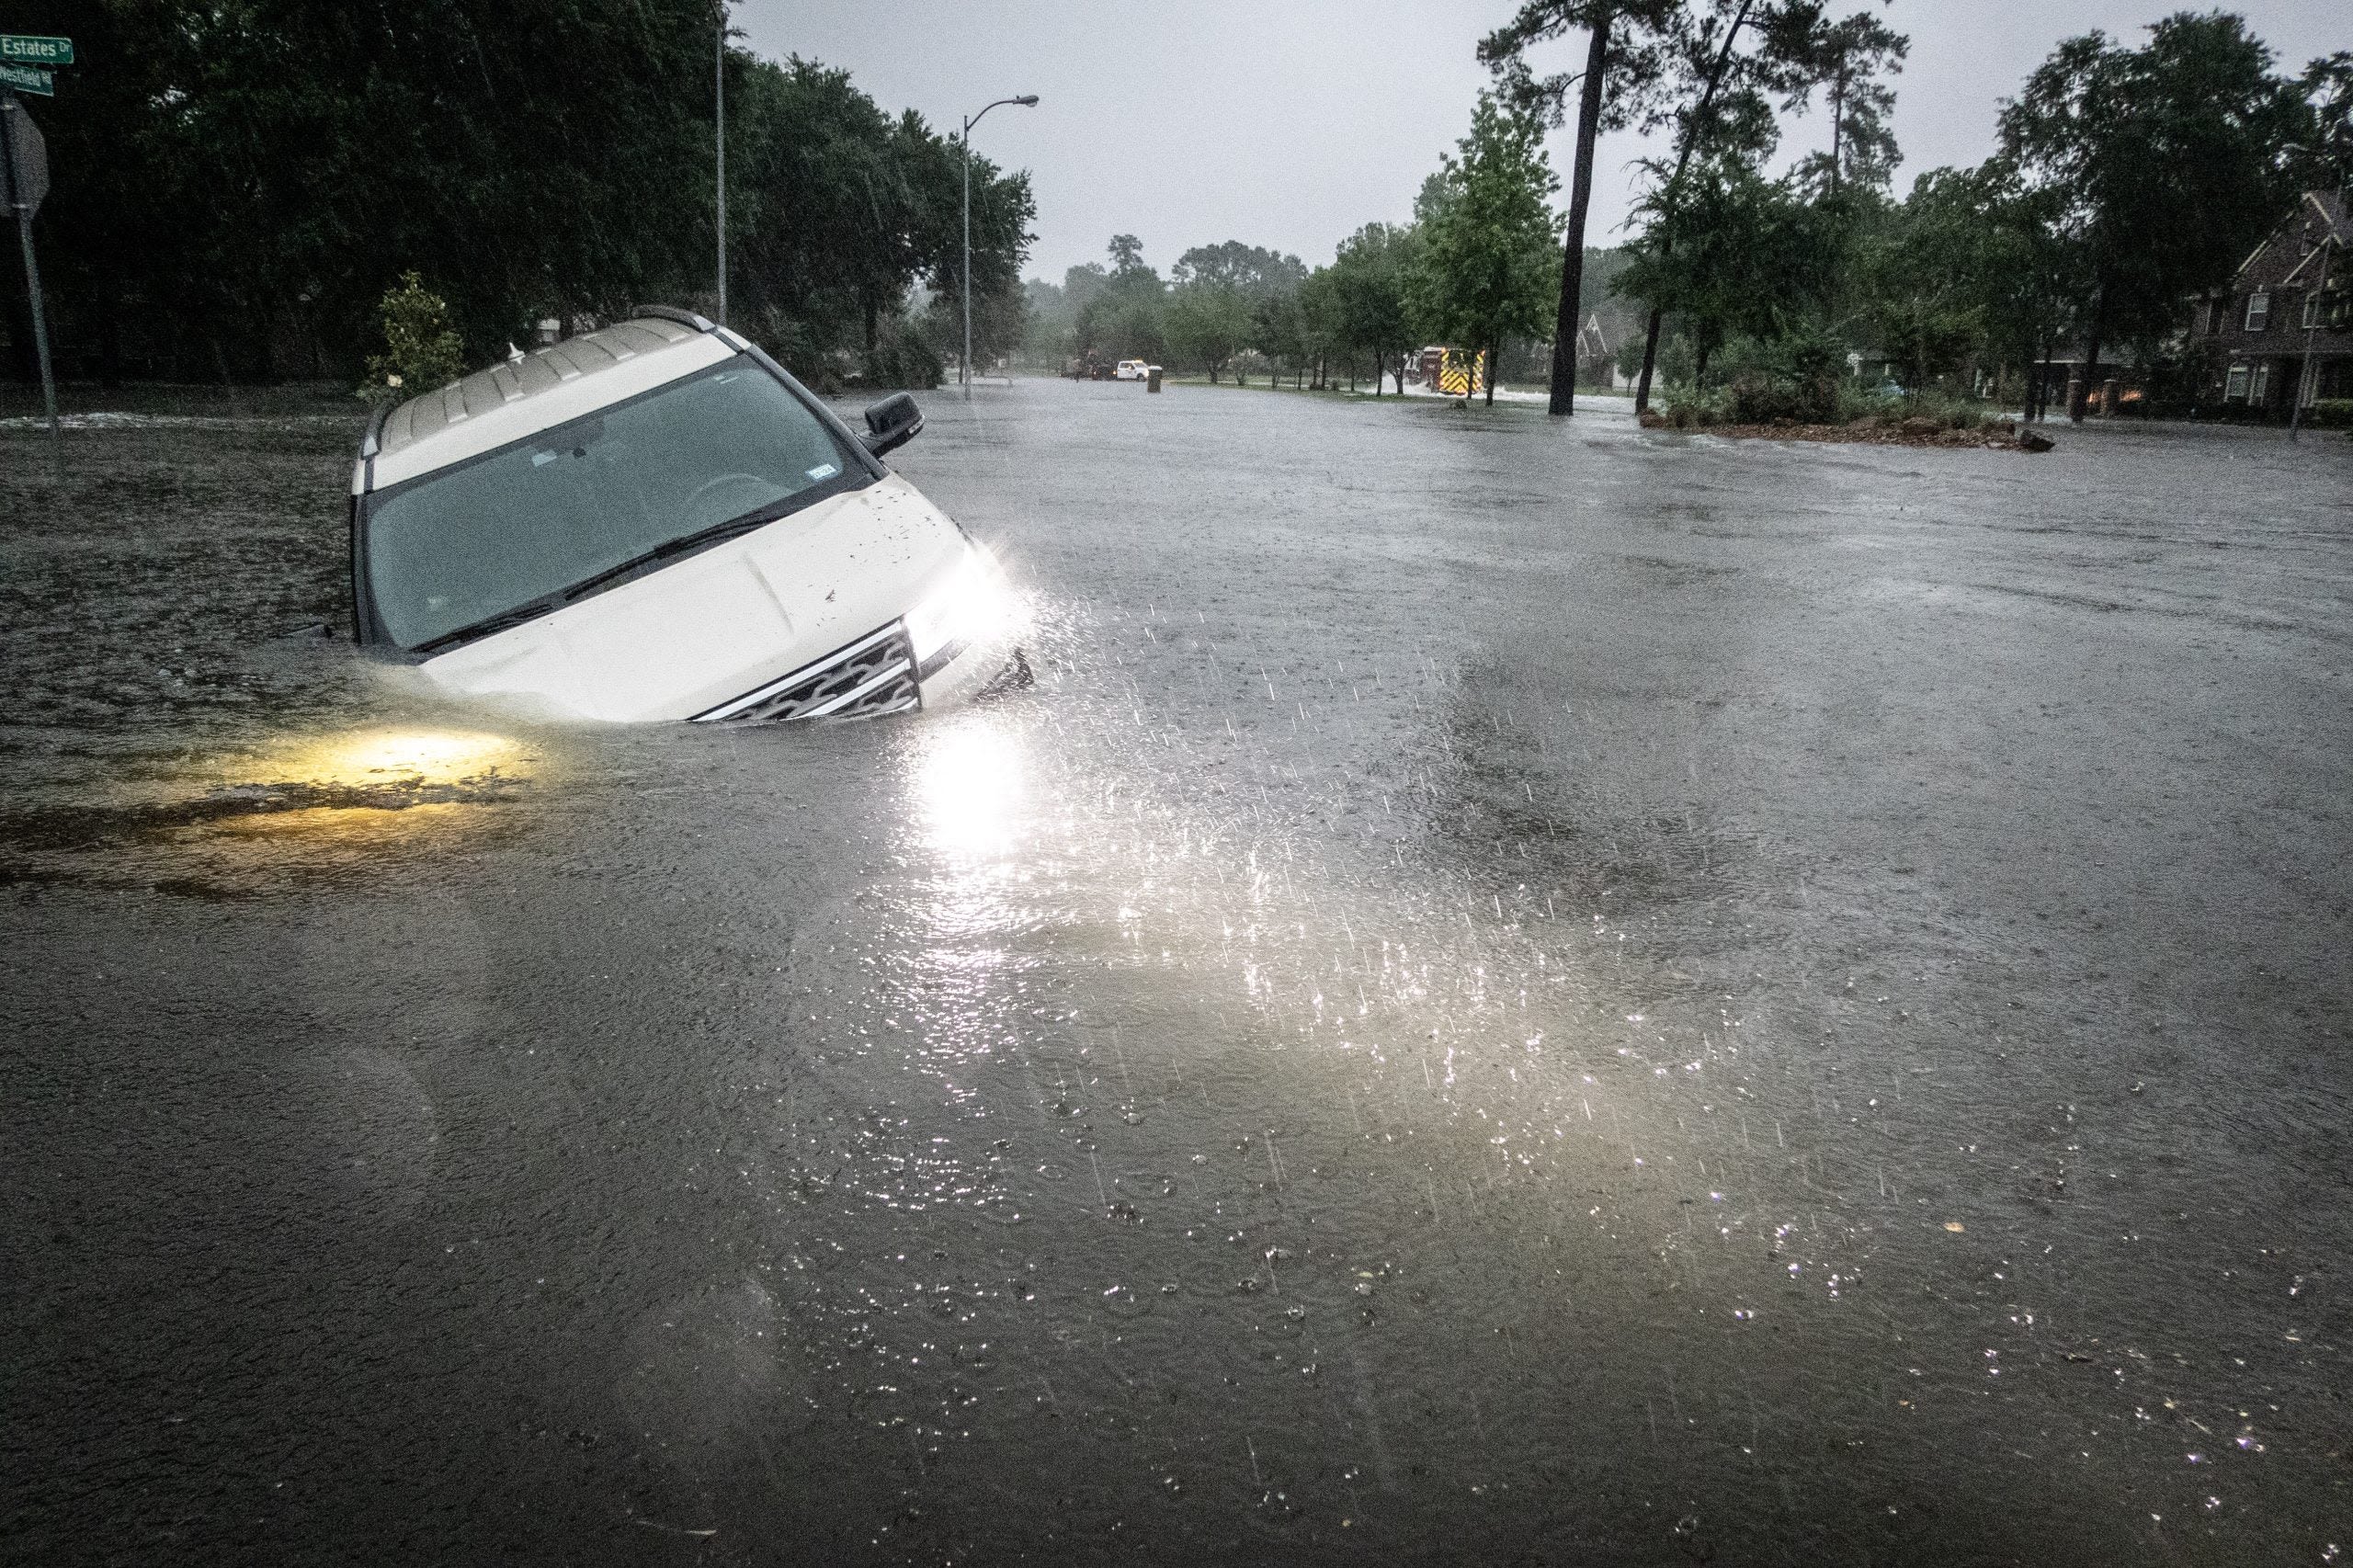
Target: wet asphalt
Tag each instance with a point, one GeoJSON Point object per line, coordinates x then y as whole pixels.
{"type": "Point", "coordinates": [1514, 993]}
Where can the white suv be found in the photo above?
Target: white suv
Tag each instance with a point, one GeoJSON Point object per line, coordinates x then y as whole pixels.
{"type": "Point", "coordinates": [655, 522]}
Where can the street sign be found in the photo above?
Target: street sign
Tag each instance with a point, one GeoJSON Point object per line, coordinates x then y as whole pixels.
{"type": "Point", "coordinates": [27, 79]}
{"type": "Point", "coordinates": [22, 49]}
{"type": "Point", "coordinates": [28, 158]}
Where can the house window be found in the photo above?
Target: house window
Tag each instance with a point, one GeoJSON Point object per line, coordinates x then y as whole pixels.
{"type": "Point", "coordinates": [2258, 311]}
{"type": "Point", "coordinates": [2261, 388]}
{"type": "Point", "coordinates": [2234, 390]}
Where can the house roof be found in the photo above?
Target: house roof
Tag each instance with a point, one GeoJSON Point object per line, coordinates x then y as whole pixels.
{"type": "Point", "coordinates": [2330, 207]}
{"type": "Point", "coordinates": [2326, 206]}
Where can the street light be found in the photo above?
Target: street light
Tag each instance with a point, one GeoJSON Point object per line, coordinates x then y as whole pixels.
{"type": "Point", "coordinates": [2305, 382]}
{"type": "Point", "coordinates": [964, 366]}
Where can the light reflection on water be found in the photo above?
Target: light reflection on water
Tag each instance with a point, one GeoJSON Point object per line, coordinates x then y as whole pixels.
{"type": "Point", "coordinates": [970, 783]}
{"type": "Point", "coordinates": [258, 818]}
{"type": "Point", "coordinates": [382, 758]}
{"type": "Point", "coordinates": [1049, 848]}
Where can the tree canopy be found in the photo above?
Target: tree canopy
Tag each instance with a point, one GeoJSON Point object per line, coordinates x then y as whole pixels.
{"type": "Point", "coordinates": [1489, 270]}
{"type": "Point", "coordinates": [2160, 166]}
{"type": "Point", "coordinates": [237, 185]}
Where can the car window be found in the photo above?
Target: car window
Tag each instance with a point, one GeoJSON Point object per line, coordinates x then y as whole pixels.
{"type": "Point", "coordinates": [467, 544]}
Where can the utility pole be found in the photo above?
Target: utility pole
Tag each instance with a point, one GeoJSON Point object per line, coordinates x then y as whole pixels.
{"type": "Point", "coordinates": [718, 96]}
{"type": "Point", "coordinates": [964, 366]}
{"type": "Point", "coordinates": [2305, 386]}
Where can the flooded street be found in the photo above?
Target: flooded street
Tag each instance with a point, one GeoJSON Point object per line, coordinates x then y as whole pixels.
{"type": "Point", "coordinates": [1513, 994]}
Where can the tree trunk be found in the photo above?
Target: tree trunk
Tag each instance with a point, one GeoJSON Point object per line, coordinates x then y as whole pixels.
{"type": "Point", "coordinates": [1489, 360]}
{"type": "Point", "coordinates": [1650, 359]}
{"type": "Point", "coordinates": [1838, 125]}
{"type": "Point", "coordinates": [1565, 322]}
{"type": "Point", "coordinates": [1682, 158]}
{"type": "Point", "coordinates": [1700, 363]}
{"type": "Point", "coordinates": [2091, 360]}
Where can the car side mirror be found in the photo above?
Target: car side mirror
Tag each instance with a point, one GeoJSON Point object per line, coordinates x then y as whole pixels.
{"type": "Point", "coordinates": [891, 423]}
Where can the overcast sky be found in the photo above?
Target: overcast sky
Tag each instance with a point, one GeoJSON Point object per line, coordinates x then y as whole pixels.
{"type": "Point", "coordinates": [1289, 123]}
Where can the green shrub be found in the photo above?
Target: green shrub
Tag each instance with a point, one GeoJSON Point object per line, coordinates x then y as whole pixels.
{"type": "Point", "coordinates": [422, 350]}
{"type": "Point", "coordinates": [1795, 375]}
{"type": "Point", "coordinates": [1687, 407]}
{"type": "Point", "coordinates": [2332, 413]}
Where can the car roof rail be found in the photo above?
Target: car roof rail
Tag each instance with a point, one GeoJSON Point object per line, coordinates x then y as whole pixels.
{"type": "Point", "coordinates": [672, 312]}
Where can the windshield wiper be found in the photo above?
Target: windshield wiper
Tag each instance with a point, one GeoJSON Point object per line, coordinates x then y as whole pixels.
{"type": "Point", "coordinates": [487, 625]}
{"type": "Point", "coordinates": [715, 534]}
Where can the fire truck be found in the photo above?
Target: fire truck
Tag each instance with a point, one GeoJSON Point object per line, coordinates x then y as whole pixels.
{"type": "Point", "coordinates": [1457, 375]}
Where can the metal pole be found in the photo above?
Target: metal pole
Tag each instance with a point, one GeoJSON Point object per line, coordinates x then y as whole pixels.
{"type": "Point", "coordinates": [32, 267]}
{"type": "Point", "coordinates": [964, 370]}
{"type": "Point", "coordinates": [719, 82]}
{"type": "Point", "coordinates": [2304, 380]}
{"type": "Point", "coordinates": [964, 366]}
{"type": "Point", "coordinates": [41, 325]}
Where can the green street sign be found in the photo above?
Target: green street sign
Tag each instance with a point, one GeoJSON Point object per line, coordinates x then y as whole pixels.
{"type": "Point", "coordinates": [25, 79]}
{"type": "Point", "coordinates": [23, 49]}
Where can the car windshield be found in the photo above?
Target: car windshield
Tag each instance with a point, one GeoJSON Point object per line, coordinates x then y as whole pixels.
{"type": "Point", "coordinates": [471, 548]}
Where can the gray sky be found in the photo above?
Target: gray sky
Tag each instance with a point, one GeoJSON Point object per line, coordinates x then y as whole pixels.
{"type": "Point", "coordinates": [1291, 122]}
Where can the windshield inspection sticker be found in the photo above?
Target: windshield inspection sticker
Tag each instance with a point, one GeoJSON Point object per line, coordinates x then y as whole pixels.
{"type": "Point", "coordinates": [823, 470]}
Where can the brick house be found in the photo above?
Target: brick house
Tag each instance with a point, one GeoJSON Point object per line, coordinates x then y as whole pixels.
{"type": "Point", "coordinates": [2291, 294]}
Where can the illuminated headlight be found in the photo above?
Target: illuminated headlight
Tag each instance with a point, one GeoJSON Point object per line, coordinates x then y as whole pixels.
{"type": "Point", "coordinates": [970, 606]}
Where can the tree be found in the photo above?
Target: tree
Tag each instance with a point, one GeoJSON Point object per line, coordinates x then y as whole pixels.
{"type": "Point", "coordinates": [1489, 270]}
{"type": "Point", "coordinates": [1968, 264]}
{"type": "Point", "coordinates": [1369, 290]}
{"type": "Point", "coordinates": [1723, 63]}
{"type": "Point", "coordinates": [1625, 60]}
{"type": "Point", "coordinates": [1216, 294]}
{"type": "Point", "coordinates": [1126, 317]}
{"type": "Point", "coordinates": [249, 178]}
{"type": "Point", "coordinates": [2157, 164]}
{"type": "Point", "coordinates": [841, 209]}
{"type": "Point", "coordinates": [1847, 60]}
{"type": "Point", "coordinates": [2328, 91]}
{"type": "Point", "coordinates": [1734, 254]}
{"type": "Point", "coordinates": [1279, 329]}
{"type": "Point", "coordinates": [1207, 323]}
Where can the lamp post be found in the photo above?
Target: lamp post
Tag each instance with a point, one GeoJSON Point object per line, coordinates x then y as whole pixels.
{"type": "Point", "coordinates": [2314, 302]}
{"type": "Point", "coordinates": [964, 366]}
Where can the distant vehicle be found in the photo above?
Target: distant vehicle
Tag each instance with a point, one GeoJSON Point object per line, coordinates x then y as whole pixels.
{"type": "Point", "coordinates": [655, 522]}
{"type": "Point", "coordinates": [1131, 370]}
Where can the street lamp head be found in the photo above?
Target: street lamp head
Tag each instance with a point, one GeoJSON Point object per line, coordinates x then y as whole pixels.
{"type": "Point", "coordinates": [1028, 100]}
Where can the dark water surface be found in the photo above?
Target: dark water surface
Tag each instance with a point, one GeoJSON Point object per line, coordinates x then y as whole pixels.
{"type": "Point", "coordinates": [1514, 995]}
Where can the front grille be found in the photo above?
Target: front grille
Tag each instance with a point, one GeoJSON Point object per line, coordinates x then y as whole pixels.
{"type": "Point", "coordinates": [874, 674]}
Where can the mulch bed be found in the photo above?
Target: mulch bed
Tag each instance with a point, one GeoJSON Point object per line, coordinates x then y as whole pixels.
{"type": "Point", "coordinates": [2002, 436]}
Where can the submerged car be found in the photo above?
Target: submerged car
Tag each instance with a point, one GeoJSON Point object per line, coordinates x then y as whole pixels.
{"type": "Point", "coordinates": [654, 520]}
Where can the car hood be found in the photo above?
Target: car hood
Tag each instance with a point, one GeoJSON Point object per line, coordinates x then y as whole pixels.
{"type": "Point", "coordinates": [719, 623]}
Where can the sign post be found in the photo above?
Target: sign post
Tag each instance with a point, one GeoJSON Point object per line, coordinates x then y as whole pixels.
{"type": "Point", "coordinates": [25, 158]}
{"type": "Point", "coordinates": [23, 170]}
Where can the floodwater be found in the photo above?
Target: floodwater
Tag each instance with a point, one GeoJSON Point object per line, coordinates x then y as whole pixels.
{"type": "Point", "coordinates": [1514, 993]}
